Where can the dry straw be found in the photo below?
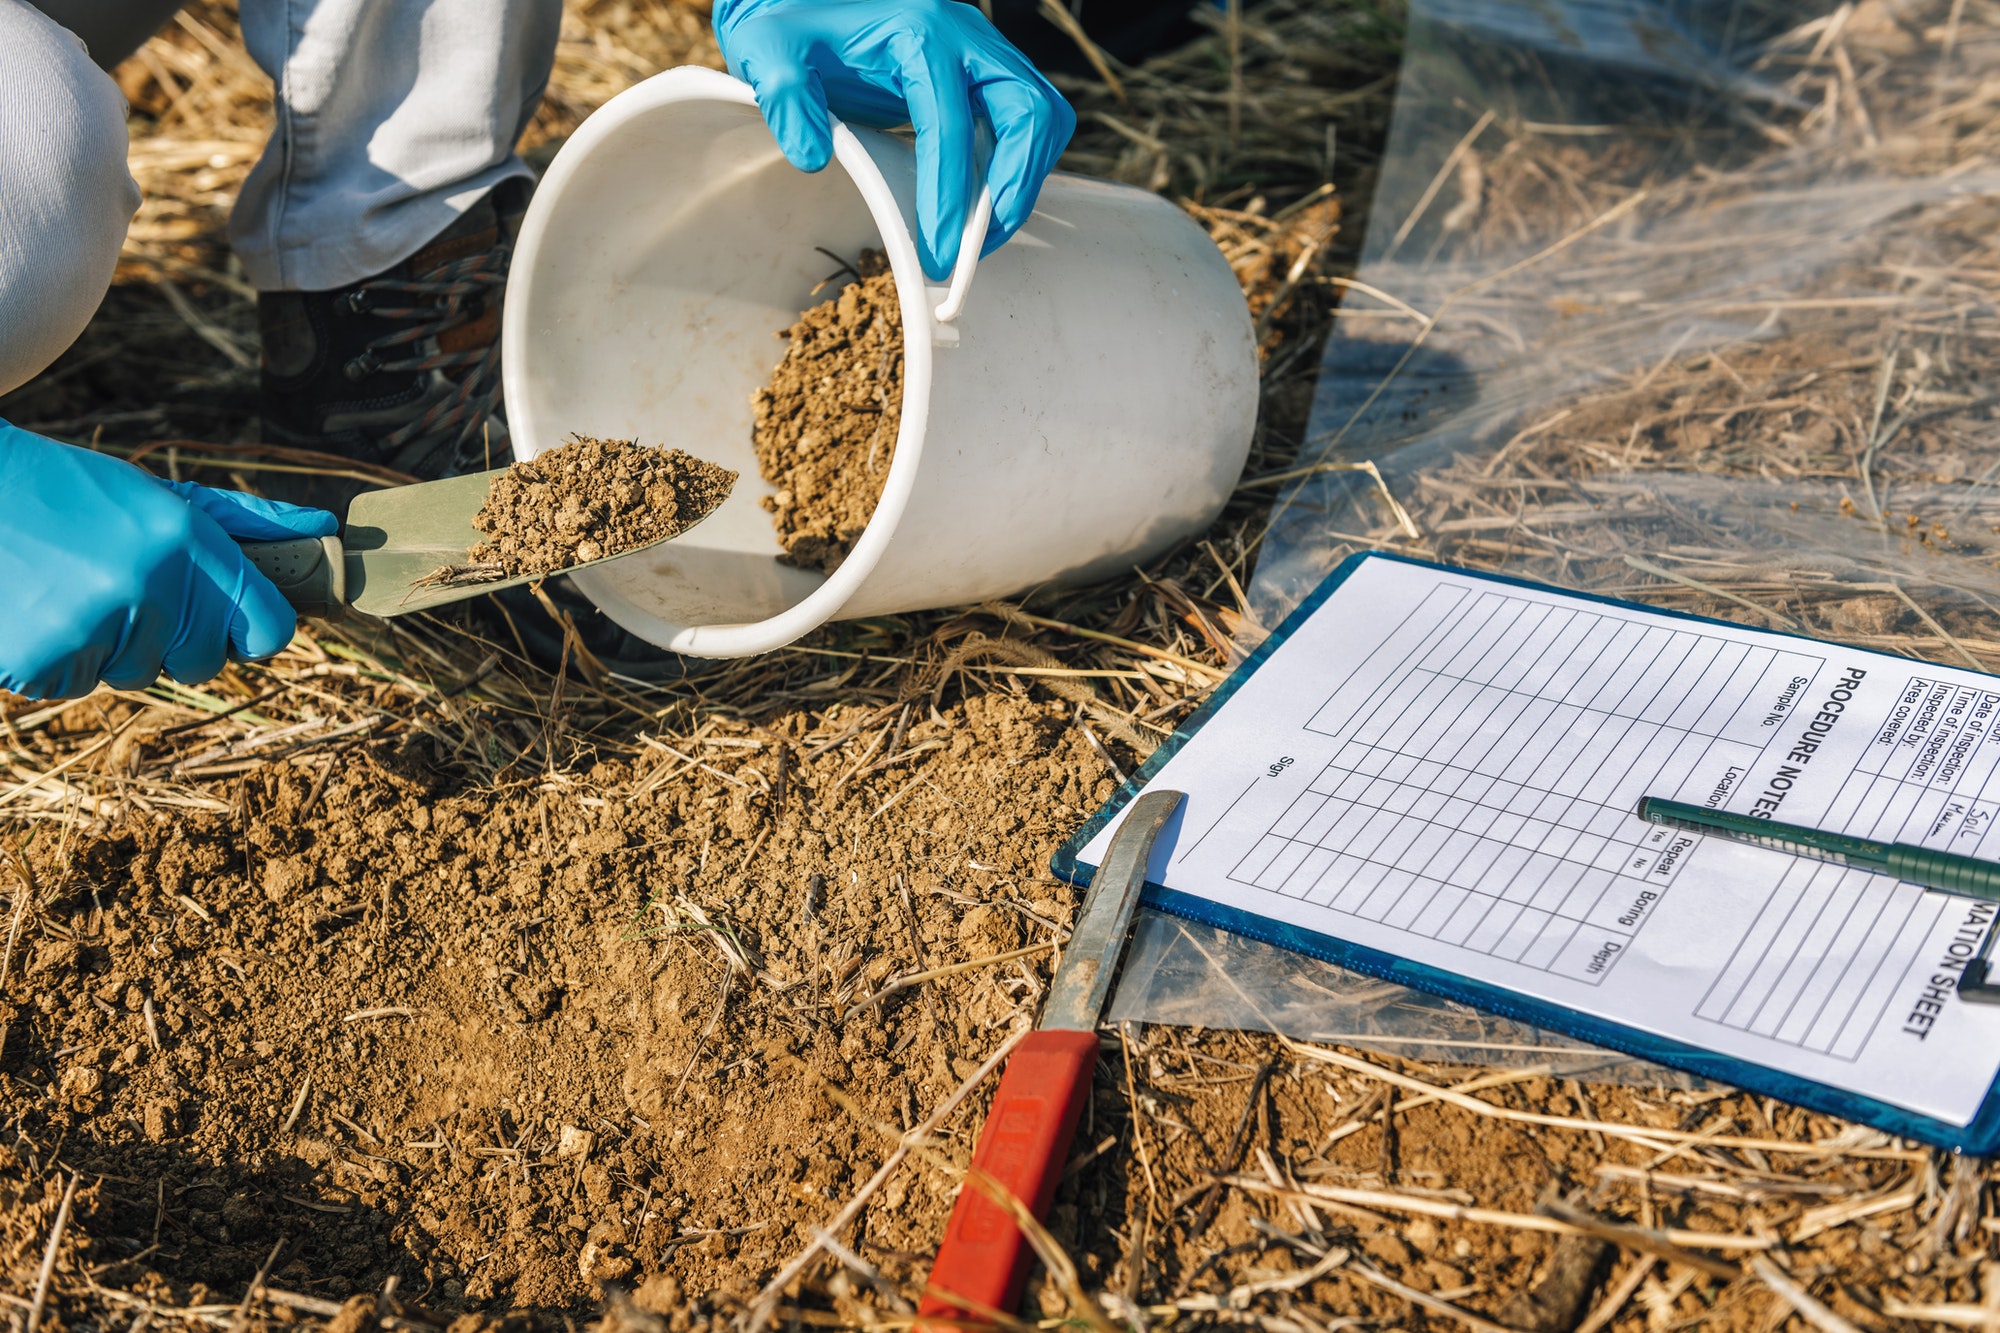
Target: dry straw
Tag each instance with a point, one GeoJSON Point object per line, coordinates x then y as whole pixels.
{"type": "Point", "coordinates": [1887, 397]}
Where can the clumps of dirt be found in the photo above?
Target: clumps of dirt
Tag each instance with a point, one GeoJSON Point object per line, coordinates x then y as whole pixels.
{"type": "Point", "coordinates": [587, 499]}
{"type": "Point", "coordinates": [518, 1045]}
{"type": "Point", "coordinates": [826, 424]}
{"type": "Point", "coordinates": [508, 1044]}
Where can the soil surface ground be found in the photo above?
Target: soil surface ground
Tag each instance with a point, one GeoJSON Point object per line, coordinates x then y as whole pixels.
{"type": "Point", "coordinates": [825, 427]}
{"type": "Point", "coordinates": [587, 499]}
{"type": "Point", "coordinates": [509, 1043]}
{"type": "Point", "coordinates": [444, 992]}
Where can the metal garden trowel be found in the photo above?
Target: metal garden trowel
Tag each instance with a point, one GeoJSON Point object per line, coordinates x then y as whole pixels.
{"type": "Point", "coordinates": [404, 549]}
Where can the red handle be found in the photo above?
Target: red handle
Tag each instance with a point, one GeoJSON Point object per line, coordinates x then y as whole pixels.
{"type": "Point", "coordinates": [984, 1257]}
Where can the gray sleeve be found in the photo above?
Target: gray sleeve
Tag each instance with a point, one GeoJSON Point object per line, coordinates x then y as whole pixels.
{"type": "Point", "coordinates": [111, 29]}
{"type": "Point", "coordinates": [66, 196]}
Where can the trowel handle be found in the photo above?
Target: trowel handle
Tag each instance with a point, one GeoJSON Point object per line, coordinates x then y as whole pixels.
{"type": "Point", "coordinates": [310, 571]}
{"type": "Point", "coordinates": [983, 1260]}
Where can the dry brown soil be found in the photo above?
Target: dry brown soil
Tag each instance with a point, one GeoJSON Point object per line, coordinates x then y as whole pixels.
{"type": "Point", "coordinates": [825, 426]}
{"type": "Point", "coordinates": [510, 1043]}
{"type": "Point", "coordinates": [587, 499]}
{"type": "Point", "coordinates": [506, 1042]}
{"type": "Point", "coordinates": [635, 1045]}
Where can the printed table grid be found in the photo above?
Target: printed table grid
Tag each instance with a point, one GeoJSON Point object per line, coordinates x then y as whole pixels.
{"type": "Point", "coordinates": [1468, 800]}
{"type": "Point", "coordinates": [1583, 645]}
{"type": "Point", "coordinates": [1824, 959]}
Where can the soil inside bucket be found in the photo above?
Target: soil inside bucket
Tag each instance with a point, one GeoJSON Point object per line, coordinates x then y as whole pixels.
{"type": "Point", "coordinates": [826, 423]}
{"type": "Point", "coordinates": [587, 499]}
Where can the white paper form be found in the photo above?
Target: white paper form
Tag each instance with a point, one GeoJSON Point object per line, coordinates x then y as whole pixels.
{"type": "Point", "coordinates": [1446, 769]}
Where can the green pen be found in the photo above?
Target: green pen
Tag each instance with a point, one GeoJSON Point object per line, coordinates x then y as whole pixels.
{"type": "Point", "coordinates": [1946, 872]}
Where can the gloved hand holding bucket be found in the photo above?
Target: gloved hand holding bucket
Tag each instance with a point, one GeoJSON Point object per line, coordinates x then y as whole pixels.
{"type": "Point", "coordinates": [1083, 404]}
{"type": "Point", "coordinates": [1092, 404]}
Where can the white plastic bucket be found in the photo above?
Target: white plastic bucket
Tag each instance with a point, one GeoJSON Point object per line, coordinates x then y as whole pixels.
{"type": "Point", "coordinates": [1091, 404]}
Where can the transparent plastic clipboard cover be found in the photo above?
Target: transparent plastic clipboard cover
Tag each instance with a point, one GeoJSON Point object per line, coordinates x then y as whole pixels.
{"type": "Point", "coordinates": [1695, 302]}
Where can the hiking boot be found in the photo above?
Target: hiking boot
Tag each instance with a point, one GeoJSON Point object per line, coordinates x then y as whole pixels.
{"type": "Point", "coordinates": [401, 370]}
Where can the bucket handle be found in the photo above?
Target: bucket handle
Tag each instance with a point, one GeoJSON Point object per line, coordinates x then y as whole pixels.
{"type": "Point", "coordinates": [969, 245]}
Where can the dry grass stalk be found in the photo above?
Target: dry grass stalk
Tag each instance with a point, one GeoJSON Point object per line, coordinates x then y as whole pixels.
{"type": "Point", "coordinates": [255, 1291]}
{"type": "Point", "coordinates": [1791, 1293]}
{"type": "Point", "coordinates": [383, 1011]}
{"type": "Point", "coordinates": [49, 1255]}
{"type": "Point", "coordinates": [1649, 1138]}
{"type": "Point", "coordinates": [1082, 1306]}
{"type": "Point", "coordinates": [1138, 1126]}
{"type": "Point", "coordinates": [908, 980]}
{"type": "Point", "coordinates": [1426, 1301]}
{"type": "Point", "coordinates": [764, 1306]}
{"type": "Point", "coordinates": [1620, 1292]}
{"type": "Point", "coordinates": [1668, 1245]}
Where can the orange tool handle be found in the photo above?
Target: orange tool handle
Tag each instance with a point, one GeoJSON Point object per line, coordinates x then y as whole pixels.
{"type": "Point", "coordinates": [1024, 1144]}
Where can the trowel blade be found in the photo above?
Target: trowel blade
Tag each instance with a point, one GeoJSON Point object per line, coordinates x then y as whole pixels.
{"type": "Point", "coordinates": [398, 539]}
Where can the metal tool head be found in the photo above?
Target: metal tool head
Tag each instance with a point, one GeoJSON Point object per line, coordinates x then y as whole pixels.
{"type": "Point", "coordinates": [397, 540]}
{"type": "Point", "coordinates": [1090, 961]}
{"type": "Point", "coordinates": [404, 549]}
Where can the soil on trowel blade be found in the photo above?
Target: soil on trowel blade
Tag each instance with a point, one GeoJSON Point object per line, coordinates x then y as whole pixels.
{"type": "Point", "coordinates": [587, 499]}
{"type": "Point", "coordinates": [826, 424]}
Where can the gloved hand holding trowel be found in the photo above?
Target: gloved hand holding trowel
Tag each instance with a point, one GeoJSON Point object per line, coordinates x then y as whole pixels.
{"type": "Point", "coordinates": [380, 257]}
{"type": "Point", "coordinates": [108, 573]}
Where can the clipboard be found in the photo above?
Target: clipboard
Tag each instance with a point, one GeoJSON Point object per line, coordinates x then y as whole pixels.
{"type": "Point", "coordinates": [1980, 1134]}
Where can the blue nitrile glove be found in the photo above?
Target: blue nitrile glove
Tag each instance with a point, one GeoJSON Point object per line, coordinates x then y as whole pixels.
{"type": "Point", "coordinates": [937, 64]}
{"type": "Point", "coordinates": [109, 573]}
